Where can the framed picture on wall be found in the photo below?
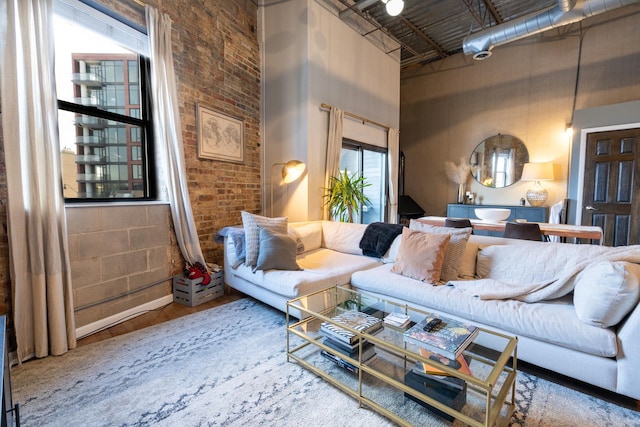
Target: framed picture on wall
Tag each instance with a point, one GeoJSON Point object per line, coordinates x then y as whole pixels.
{"type": "Point", "coordinates": [220, 137]}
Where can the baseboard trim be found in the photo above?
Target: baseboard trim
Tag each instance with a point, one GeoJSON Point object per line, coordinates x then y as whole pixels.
{"type": "Point", "coordinates": [101, 324]}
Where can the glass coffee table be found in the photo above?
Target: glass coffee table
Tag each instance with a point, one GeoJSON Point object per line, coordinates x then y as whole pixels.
{"type": "Point", "coordinates": [387, 381]}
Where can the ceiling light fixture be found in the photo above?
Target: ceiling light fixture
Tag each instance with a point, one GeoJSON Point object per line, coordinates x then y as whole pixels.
{"type": "Point", "coordinates": [394, 7]}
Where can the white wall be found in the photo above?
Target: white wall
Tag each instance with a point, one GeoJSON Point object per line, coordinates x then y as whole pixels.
{"type": "Point", "coordinates": [311, 57]}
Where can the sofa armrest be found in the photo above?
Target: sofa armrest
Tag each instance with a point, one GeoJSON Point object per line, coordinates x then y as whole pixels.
{"type": "Point", "coordinates": [629, 355]}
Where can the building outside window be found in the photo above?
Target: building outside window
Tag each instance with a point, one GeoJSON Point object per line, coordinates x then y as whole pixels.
{"type": "Point", "coordinates": [104, 117]}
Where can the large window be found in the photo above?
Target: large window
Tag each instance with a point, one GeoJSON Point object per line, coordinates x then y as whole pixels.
{"type": "Point", "coordinates": [371, 162]}
{"type": "Point", "coordinates": [104, 115]}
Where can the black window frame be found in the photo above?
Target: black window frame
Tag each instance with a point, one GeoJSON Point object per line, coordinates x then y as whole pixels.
{"type": "Point", "coordinates": [145, 123]}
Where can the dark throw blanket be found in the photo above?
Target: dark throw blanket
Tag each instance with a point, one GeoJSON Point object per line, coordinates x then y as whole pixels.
{"type": "Point", "coordinates": [377, 238]}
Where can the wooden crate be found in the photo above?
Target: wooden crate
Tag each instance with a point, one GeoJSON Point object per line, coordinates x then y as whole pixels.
{"type": "Point", "coordinates": [192, 292]}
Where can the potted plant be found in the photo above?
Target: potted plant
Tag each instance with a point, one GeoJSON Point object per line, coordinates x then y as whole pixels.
{"type": "Point", "coordinates": [345, 195]}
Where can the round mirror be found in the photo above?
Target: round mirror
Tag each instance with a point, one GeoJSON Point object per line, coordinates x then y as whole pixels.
{"type": "Point", "coordinates": [497, 161]}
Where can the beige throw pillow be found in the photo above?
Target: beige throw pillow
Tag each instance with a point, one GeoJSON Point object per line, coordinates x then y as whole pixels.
{"type": "Point", "coordinates": [455, 248]}
{"type": "Point", "coordinates": [421, 255]}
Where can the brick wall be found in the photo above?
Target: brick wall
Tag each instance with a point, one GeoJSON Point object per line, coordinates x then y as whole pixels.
{"type": "Point", "coordinates": [217, 64]}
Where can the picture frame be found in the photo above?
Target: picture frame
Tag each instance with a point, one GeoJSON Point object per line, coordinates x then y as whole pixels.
{"type": "Point", "coordinates": [220, 136]}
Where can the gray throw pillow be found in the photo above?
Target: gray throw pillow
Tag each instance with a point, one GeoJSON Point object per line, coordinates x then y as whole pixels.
{"type": "Point", "coordinates": [277, 251]}
{"type": "Point", "coordinates": [251, 222]}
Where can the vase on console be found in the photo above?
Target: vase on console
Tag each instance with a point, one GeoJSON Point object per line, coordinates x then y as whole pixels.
{"type": "Point", "coordinates": [461, 193]}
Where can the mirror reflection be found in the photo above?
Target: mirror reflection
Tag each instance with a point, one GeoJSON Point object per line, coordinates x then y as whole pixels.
{"type": "Point", "coordinates": [497, 161]}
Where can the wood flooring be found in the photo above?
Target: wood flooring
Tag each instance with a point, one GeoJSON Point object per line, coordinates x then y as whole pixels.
{"type": "Point", "coordinates": [153, 317]}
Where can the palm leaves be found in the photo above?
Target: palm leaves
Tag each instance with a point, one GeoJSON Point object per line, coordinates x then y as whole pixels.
{"type": "Point", "coordinates": [345, 195]}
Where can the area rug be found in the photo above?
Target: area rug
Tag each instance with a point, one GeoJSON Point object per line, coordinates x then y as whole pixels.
{"type": "Point", "coordinates": [227, 367]}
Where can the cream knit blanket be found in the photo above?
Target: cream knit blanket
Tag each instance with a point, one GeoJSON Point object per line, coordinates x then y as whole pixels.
{"type": "Point", "coordinates": [513, 273]}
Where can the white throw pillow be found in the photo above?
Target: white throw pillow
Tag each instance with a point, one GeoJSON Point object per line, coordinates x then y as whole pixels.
{"type": "Point", "coordinates": [606, 292]}
{"type": "Point", "coordinates": [342, 236]}
{"type": "Point", "coordinates": [455, 248]}
{"type": "Point", "coordinates": [250, 223]}
{"type": "Point", "coordinates": [309, 234]}
{"type": "Point", "coordinates": [392, 254]}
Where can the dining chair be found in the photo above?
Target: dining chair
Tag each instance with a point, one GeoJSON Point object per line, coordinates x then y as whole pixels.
{"type": "Point", "coordinates": [457, 222]}
{"type": "Point", "coordinates": [523, 231]}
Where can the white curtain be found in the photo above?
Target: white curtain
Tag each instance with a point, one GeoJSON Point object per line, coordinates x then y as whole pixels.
{"type": "Point", "coordinates": [168, 136]}
{"type": "Point", "coordinates": [334, 148]}
{"type": "Point", "coordinates": [393, 156]}
{"type": "Point", "coordinates": [39, 264]}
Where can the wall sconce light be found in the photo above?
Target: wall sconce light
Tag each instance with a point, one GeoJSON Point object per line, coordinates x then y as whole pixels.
{"type": "Point", "coordinates": [394, 7]}
{"type": "Point", "coordinates": [537, 196]}
{"type": "Point", "coordinates": [291, 171]}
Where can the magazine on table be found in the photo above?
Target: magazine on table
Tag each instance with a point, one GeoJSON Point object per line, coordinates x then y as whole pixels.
{"type": "Point", "coordinates": [441, 335]}
{"type": "Point", "coordinates": [357, 320]}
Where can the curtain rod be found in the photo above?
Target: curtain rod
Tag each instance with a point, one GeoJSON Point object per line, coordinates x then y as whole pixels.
{"type": "Point", "coordinates": [355, 116]}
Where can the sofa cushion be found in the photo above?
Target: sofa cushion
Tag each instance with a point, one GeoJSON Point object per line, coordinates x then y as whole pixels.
{"type": "Point", "coordinates": [321, 269]}
{"type": "Point", "coordinates": [606, 292]}
{"type": "Point", "coordinates": [252, 233]}
{"type": "Point", "coordinates": [309, 234]}
{"type": "Point", "coordinates": [538, 320]}
{"type": "Point", "coordinates": [342, 236]}
{"type": "Point", "coordinates": [276, 251]}
{"type": "Point", "coordinates": [421, 255]}
{"type": "Point", "coordinates": [455, 248]}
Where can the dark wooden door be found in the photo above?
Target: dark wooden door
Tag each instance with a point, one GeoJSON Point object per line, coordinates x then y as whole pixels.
{"type": "Point", "coordinates": [611, 196]}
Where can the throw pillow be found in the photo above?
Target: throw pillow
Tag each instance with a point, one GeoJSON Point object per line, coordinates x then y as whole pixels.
{"type": "Point", "coordinates": [252, 233]}
{"type": "Point", "coordinates": [606, 292]}
{"type": "Point", "coordinates": [421, 255]}
{"type": "Point", "coordinates": [455, 249]}
{"type": "Point", "coordinates": [467, 268]}
{"type": "Point", "coordinates": [310, 235]}
{"type": "Point", "coordinates": [277, 251]}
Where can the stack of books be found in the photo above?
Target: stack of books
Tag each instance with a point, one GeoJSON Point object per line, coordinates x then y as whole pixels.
{"type": "Point", "coordinates": [397, 320]}
{"type": "Point", "coordinates": [345, 343]}
{"type": "Point", "coordinates": [442, 343]}
{"type": "Point", "coordinates": [448, 338]}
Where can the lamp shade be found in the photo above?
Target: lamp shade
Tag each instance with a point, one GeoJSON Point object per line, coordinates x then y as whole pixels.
{"type": "Point", "coordinates": [537, 172]}
{"type": "Point", "coordinates": [292, 170]}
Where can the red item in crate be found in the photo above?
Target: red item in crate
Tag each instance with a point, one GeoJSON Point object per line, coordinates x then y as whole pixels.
{"type": "Point", "coordinates": [196, 271]}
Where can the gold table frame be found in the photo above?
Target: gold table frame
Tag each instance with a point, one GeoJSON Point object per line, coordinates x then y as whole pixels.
{"type": "Point", "coordinates": [496, 385]}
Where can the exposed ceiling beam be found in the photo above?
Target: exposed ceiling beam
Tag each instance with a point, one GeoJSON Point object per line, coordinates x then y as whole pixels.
{"type": "Point", "coordinates": [417, 31]}
{"type": "Point", "coordinates": [361, 5]}
{"type": "Point", "coordinates": [492, 9]}
{"type": "Point", "coordinates": [480, 13]}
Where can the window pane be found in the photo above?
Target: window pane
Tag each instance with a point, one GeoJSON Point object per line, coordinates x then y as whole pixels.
{"type": "Point", "coordinates": [375, 174]}
{"type": "Point", "coordinates": [90, 69]}
{"type": "Point", "coordinates": [94, 157]}
{"type": "Point", "coordinates": [372, 164]}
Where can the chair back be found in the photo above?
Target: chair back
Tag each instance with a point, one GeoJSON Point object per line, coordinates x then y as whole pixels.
{"type": "Point", "coordinates": [523, 231]}
{"type": "Point", "coordinates": [457, 222]}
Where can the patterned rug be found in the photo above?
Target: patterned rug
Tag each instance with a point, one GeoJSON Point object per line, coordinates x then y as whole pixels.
{"type": "Point", "coordinates": [226, 366]}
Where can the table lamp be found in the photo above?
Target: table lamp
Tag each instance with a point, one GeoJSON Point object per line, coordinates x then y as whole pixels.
{"type": "Point", "coordinates": [537, 196]}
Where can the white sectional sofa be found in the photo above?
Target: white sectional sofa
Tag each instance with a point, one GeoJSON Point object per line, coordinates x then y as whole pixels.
{"type": "Point", "coordinates": [572, 307]}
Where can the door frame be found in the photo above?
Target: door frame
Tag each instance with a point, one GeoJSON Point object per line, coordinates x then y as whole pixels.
{"type": "Point", "coordinates": [583, 155]}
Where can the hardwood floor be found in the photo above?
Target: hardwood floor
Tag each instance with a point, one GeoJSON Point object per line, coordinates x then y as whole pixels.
{"type": "Point", "coordinates": [163, 314]}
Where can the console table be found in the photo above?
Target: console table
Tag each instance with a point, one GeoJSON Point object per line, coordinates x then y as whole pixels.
{"type": "Point", "coordinates": [497, 228]}
{"type": "Point", "coordinates": [529, 213]}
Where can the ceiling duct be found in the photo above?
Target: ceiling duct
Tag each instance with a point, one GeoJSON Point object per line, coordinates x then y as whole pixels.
{"type": "Point", "coordinates": [566, 12]}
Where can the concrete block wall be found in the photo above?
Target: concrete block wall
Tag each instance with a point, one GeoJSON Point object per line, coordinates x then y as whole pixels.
{"type": "Point", "coordinates": [121, 257]}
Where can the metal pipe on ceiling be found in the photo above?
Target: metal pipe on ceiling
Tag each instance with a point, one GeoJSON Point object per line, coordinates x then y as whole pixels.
{"type": "Point", "coordinates": [480, 44]}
